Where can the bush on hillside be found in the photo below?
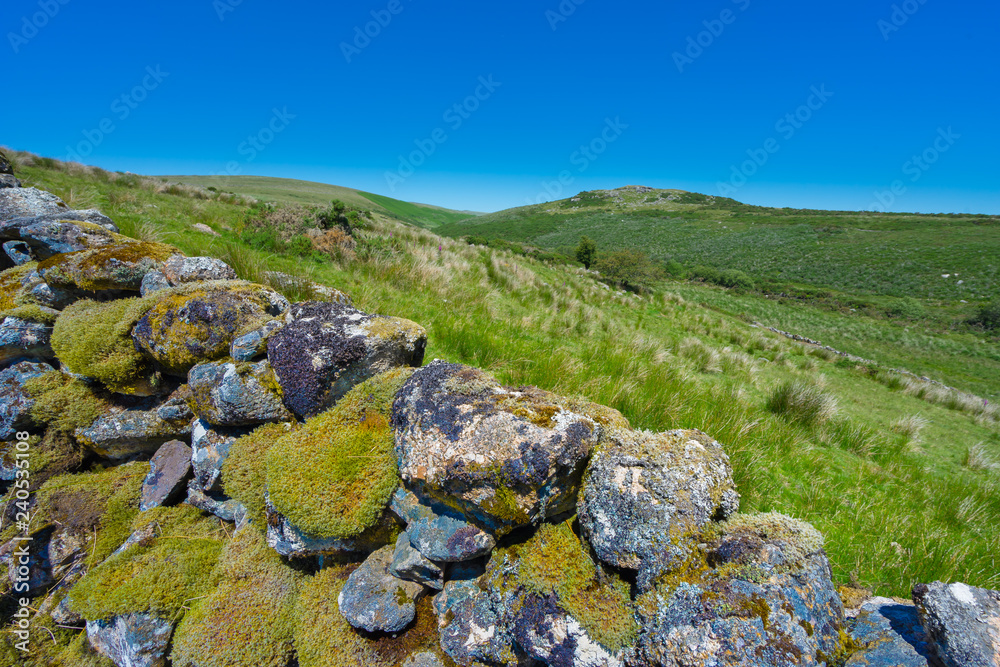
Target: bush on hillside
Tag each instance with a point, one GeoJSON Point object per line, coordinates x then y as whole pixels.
{"type": "Point", "coordinates": [675, 269]}
{"type": "Point", "coordinates": [586, 252]}
{"type": "Point", "coordinates": [730, 278]}
{"type": "Point", "coordinates": [906, 308]}
{"type": "Point", "coordinates": [988, 316]}
{"type": "Point", "coordinates": [630, 269]}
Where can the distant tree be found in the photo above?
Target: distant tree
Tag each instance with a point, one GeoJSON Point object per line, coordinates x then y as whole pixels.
{"type": "Point", "coordinates": [988, 316]}
{"type": "Point", "coordinates": [675, 269]}
{"type": "Point", "coordinates": [586, 252]}
{"type": "Point", "coordinates": [631, 269]}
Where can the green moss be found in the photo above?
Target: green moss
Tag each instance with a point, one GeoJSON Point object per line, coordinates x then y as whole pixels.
{"type": "Point", "coordinates": [157, 575]}
{"type": "Point", "coordinates": [11, 291]}
{"type": "Point", "coordinates": [554, 560]}
{"type": "Point", "coordinates": [393, 328]}
{"type": "Point", "coordinates": [111, 267]}
{"type": "Point", "coordinates": [323, 638]}
{"type": "Point", "coordinates": [79, 654]}
{"type": "Point", "coordinates": [846, 647]}
{"type": "Point", "coordinates": [244, 473]}
{"type": "Point", "coordinates": [95, 340]}
{"type": "Point", "coordinates": [64, 403]}
{"type": "Point", "coordinates": [31, 312]}
{"type": "Point", "coordinates": [334, 477]}
{"type": "Point", "coordinates": [249, 620]}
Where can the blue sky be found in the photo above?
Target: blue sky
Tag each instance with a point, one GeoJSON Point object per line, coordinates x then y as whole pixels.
{"type": "Point", "coordinates": [852, 105]}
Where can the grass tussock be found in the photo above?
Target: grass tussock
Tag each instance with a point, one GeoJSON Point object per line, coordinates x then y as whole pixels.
{"type": "Point", "coordinates": [802, 403]}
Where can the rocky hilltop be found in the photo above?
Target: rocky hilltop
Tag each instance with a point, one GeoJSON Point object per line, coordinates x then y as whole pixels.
{"type": "Point", "coordinates": [199, 473]}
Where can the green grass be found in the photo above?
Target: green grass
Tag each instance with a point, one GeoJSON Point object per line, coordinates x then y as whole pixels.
{"type": "Point", "coordinates": [308, 193]}
{"type": "Point", "coordinates": [893, 511]}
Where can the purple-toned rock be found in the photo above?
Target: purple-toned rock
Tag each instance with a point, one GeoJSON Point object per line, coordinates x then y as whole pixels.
{"type": "Point", "coordinates": [18, 252]}
{"type": "Point", "coordinates": [438, 532]}
{"type": "Point", "coordinates": [15, 403]}
{"type": "Point", "coordinates": [168, 470]}
{"type": "Point", "coordinates": [325, 349]}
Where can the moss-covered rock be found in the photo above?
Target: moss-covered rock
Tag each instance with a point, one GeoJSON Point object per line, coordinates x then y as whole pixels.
{"type": "Point", "coordinates": [157, 575]}
{"type": "Point", "coordinates": [12, 285]}
{"type": "Point", "coordinates": [249, 620]}
{"type": "Point", "coordinates": [197, 322]}
{"type": "Point", "coordinates": [236, 394]}
{"type": "Point", "coordinates": [324, 638]}
{"type": "Point", "coordinates": [325, 349]}
{"type": "Point", "coordinates": [15, 401]}
{"type": "Point", "coordinates": [244, 473]}
{"type": "Point", "coordinates": [503, 456]}
{"type": "Point", "coordinates": [95, 340]}
{"type": "Point", "coordinates": [334, 477]}
{"type": "Point", "coordinates": [117, 267]}
{"type": "Point", "coordinates": [64, 403]}
{"type": "Point", "coordinates": [32, 313]}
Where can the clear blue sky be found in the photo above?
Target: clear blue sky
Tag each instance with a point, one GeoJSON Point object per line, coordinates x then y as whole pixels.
{"type": "Point", "coordinates": [922, 83]}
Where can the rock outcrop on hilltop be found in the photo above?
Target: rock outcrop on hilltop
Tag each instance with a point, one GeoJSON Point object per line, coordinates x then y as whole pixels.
{"type": "Point", "coordinates": [220, 478]}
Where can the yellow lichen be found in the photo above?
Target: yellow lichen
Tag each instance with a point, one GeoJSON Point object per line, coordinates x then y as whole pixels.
{"type": "Point", "coordinates": [109, 267]}
{"type": "Point", "coordinates": [11, 290]}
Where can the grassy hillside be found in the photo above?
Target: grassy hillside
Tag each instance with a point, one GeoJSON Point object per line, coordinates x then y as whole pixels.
{"type": "Point", "coordinates": [308, 193]}
{"type": "Point", "coordinates": [901, 476]}
{"type": "Point", "coordinates": [897, 255]}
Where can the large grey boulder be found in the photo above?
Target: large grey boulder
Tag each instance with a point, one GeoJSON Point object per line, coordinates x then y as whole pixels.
{"type": "Point", "coordinates": [28, 203]}
{"type": "Point", "coordinates": [325, 349]}
{"type": "Point", "coordinates": [438, 532]}
{"type": "Point", "coordinates": [547, 633]}
{"type": "Point", "coordinates": [374, 600]}
{"type": "Point", "coordinates": [644, 492]}
{"type": "Point", "coordinates": [501, 456]}
{"type": "Point", "coordinates": [15, 402]}
{"type": "Point", "coordinates": [9, 181]}
{"type": "Point", "coordinates": [227, 394]}
{"type": "Point", "coordinates": [890, 636]}
{"type": "Point", "coordinates": [962, 622]}
{"type": "Point", "coordinates": [168, 470]}
{"type": "Point", "coordinates": [132, 640]}
{"type": "Point", "coordinates": [180, 269]}
{"type": "Point", "coordinates": [21, 337]}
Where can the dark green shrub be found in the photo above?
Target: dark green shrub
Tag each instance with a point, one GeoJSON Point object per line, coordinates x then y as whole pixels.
{"type": "Point", "coordinates": [586, 252]}
{"type": "Point", "coordinates": [988, 316]}
{"type": "Point", "coordinates": [631, 269]}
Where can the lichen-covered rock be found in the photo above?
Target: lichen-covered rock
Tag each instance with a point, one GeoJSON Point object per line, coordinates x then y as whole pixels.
{"type": "Point", "coordinates": [54, 233]}
{"type": "Point", "coordinates": [962, 622]}
{"type": "Point", "coordinates": [289, 540]}
{"type": "Point", "coordinates": [180, 269]}
{"type": "Point", "coordinates": [9, 181]}
{"type": "Point", "coordinates": [438, 532]}
{"type": "Point", "coordinates": [374, 600]}
{"type": "Point", "coordinates": [196, 323]}
{"type": "Point", "coordinates": [132, 640]}
{"type": "Point", "coordinates": [118, 267]}
{"type": "Point", "coordinates": [504, 457]}
{"type": "Point", "coordinates": [756, 594]}
{"type": "Point", "coordinates": [18, 252]}
{"type": "Point", "coordinates": [644, 492]}
{"type": "Point", "coordinates": [889, 634]}
{"type": "Point", "coordinates": [21, 337]}
{"type": "Point", "coordinates": [254, 344]}
{"type": "Point", "coordinates": [6, 167]}
{"type": "Point", "coordinates": [225, 508]}
{"type": "Point", "coordinates": [314, 291]}
{"type": "Point", "coordinates": [27, 202]}
{"type": "Point", "coordinates": [31, 288]}
{"type": "Point", "coordinates": [408, 563]}
{"type": "Point", "coordinates": [545, 632]}
{"type": "Point", "coordinates": [168, 470]}
{"type": "Point", "coordinates": [15, 401]}
{"type": "Point", "coordinates": [228, 394]}
{"type": "Point", "coordinates": [123, 434]}
{"type": "Point", "coordinates": [209, 449]}
{"type": "Point", "coordinates": [325, 349]}
{"type": "Point", "coordinates": [153, 281]}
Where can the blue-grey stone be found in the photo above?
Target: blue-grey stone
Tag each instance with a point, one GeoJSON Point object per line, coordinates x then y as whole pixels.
{"type": "Point", "coordinates": [225, 508]}
{"type": "Point", "coordinates": [15, 403]}
{"type": "Point", "coordinates": [132, 640]}
{"type": "Point", "coordinates": [254, 344]}
{"type": "Point", "coordinates": [374, 600]}
{"type": "Point", "coordinates": [224, 394]}
{"type": "Point", "coordinates": [168, 470]}
{"type": "Point", "coordinates": [154, 281]}
{"type": "Point", "coordinates": [180, 269]}
{"type": "Point", "coordinates": [209, 450]}
{"type": "Point", "coordinates": [18, 252]}
{"type": "Point", "coordinates": [124, 434]}
{"type": "Point", "coordinates": [962, 622]}
{"type": "Point", "coordinates": [23, 338]}
{"type": "Point", "coordinates": [438, 532]}
{"type": "Point", "coordinates": [408, 563]}
{"type": "Point", "coordinates": [891, 635]}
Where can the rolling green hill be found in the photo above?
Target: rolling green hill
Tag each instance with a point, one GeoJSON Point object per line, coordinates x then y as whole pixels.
{"type": "Point", "coordinates": [934, 257]}
{"type": "Point", "coordinates": [308, 193]}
